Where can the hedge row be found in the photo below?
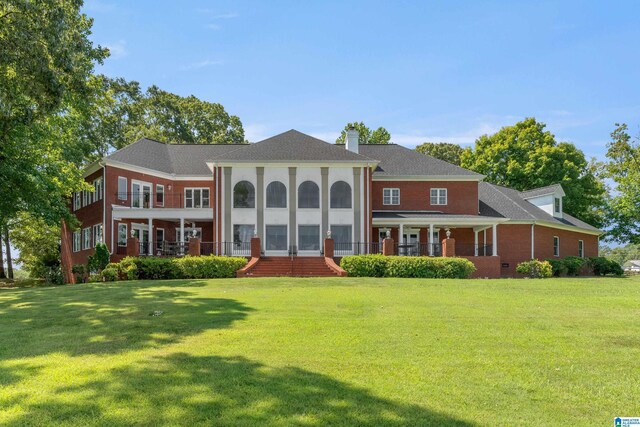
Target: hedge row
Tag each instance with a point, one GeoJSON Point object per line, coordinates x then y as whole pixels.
{"type": "Point", "coordinates": [572, 266]}
{"type": "Point", "coordinates": [407, 266]}
{"type": "Point", "coordinates": [188, 267]}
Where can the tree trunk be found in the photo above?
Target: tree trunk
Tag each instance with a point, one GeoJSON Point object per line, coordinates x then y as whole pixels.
{"type": "Point", "coordinates": [2, 273]}
{"type": "Point", "coordinates": [7, 245]}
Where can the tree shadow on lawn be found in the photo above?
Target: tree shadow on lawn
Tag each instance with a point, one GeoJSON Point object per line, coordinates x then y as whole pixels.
{"type": "Point", "coordinates": [108, 318]}
{"type": "Point", "coordinates": [182, 389]}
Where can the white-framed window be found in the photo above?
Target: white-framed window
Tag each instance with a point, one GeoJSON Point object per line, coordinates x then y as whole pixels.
{"type": "Point", "coordinates": [196, 198]}
{"type": "Point", "coordinates": [556, 246]}
{"type": "Point", "coordinates": [308, 195]}
{"type": "Point", "coordinates": [141, 194]}
{"type": "Point", "coordinates": [275, 238]}
{"type": "Point", "coordinates": [122, 234]}
{"type": "Point", "coordinates": [77, 238]}
{"type": "Point", "coordinates": [390, 196]}
{"type": "Point", "coordinates": [242, 234]}
{"type": "Point", "coordinates": [98, 187]}
{"type": "Point", "coordinates": [340, 195]}
{"type": "Point", "coordinates": [86, 197]}
{"type": "Point", "coordinates": [341, 234]}
{"type": "Point", "coordinates": [276, 195]}
{"type": "Point", "coordinates": [438, 196]}
{"type": "Point", "coordinates": [581, 248]}
{"type": "Point", "coordinates": [309, 237]}
{"type": "Point", "coordinates": [159, 195]}
{"type": "Point", "coordinates": [244, 195]}
{"type": "Point", "coordinates": [97, 234]}
{"type": "Point", "coordinates": [122, 188]}
{"type": "Point", "coordinates": [77, 200]}
{"type": "Point", "coordinates": [557, 204]}
{"type": "Point", "coordinates": [86, 238]}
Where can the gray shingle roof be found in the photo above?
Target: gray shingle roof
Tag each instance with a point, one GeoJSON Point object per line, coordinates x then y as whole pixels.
{"type": "Point", "coordinates": [542, 191]}
{"type": "Point", "coordinates": [179, 159]}
{"type": "Point", "coordinates": [508, 203]}
{"type": "Point", "coordinates": [396, 160]}
{"type": "Point", "coordinates": [292, 146]}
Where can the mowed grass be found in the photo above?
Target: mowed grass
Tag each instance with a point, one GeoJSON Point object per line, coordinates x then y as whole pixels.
{"type": "Point", "coordinates": [341, 351]}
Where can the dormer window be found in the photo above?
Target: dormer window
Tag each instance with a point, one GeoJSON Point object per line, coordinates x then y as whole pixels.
{"type": "Point", "coordinates": [557, 205]}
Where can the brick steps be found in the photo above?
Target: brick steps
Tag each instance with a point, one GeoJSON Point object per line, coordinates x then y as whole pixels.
{"type": "Point", "coordinates": [284, 266]}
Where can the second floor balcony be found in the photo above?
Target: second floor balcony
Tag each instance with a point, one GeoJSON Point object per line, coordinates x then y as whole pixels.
{"type": "Point", "coordinates": [190, 199]}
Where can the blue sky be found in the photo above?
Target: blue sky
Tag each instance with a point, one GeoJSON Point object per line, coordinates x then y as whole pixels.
{"type": "Point", "coordinates": [438, 71]}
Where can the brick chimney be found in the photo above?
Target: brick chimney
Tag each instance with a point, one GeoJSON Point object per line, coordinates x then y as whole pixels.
{"type": "Point", "coordinates": [353, 137]}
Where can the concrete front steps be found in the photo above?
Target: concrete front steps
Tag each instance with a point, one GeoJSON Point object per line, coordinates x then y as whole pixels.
{"type": "Point", "coordinates": [296, 267]}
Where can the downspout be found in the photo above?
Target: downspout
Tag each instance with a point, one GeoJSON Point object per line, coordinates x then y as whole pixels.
{"type": "Point", "coordinates": [533, 224]}
{"type": "Point", "coordinates": [104, 205]}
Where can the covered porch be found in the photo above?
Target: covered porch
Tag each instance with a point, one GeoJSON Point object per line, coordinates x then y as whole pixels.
{"type": "Point", "coordinates": [422, 234]}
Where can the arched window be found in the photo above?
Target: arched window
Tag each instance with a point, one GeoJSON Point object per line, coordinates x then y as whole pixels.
{"type": "Point", "coordinates": [340, 195]}
{"type": "Point", "coordinates": [276, 195]}
{"type": "Point", "coordinates": [308, 195]}
{"type": "Point", "coordinates": [244, 195]}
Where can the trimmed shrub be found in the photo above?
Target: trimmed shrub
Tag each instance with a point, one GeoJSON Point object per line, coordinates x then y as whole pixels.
{"type": "Point", "coordinates": [407, 266]}
{"type": "Point", "coordinates": [364, 265]}
{"type": "Point", "coordinates": [558, 268]}
{"type": "Point", "coordinates": [602, 266]}
{"type": "Point", "coordinates": [128, 269]}
{"type": "Point", "coordinates": [573, 264]}
{"type": "Point", "coordinates": [95, 278]}
{"type": "Point", "coordinates": [535, 269]}
{"type": "Point", "coordinates": [110, 274]}
{"type": "Point", "coordinates": [152, 268]}
{"type": "Point", "coordinates": [209, 267]}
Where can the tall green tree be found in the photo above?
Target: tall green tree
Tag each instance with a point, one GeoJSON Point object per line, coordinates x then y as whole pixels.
{"type": "Point", "coordinates": [442, 150]}
{"type": "Point", "coordinates": [168, 117]}
{"type": "Point", "coordinates": [623, 168]}
{"type": "Point", "coordinates": [46, 61]}
{"type": "Point", "coordinates": [526, 156]}
{"type": "Point", "coordinates": [366, 136]}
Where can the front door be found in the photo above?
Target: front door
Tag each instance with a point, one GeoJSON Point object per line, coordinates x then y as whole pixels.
{"type": "Point", "coordinates": [409, 245]}
{"type": "Point", "coordinates": [143, 238]}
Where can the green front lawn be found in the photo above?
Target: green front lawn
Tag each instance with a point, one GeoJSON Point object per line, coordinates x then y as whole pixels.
{"type": "Point", "coordinates": [322, 352]}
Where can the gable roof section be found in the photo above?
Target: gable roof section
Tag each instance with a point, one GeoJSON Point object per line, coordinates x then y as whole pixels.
{"type": "Point", "coordinates": [178, 159]}
{"type": "Point", "coordinates": [542, 191]}
{"type": "Point", "coordinates": [293, 146]}
{"type": "Point", "coordinates": [398, 161]}
{"type": "Point", "coordinates": [505, 202]}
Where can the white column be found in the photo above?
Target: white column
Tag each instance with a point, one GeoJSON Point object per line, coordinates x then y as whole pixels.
{"type": "Point", "coordinates": [400, 239]}
{"type": "Point", "coordinates": [475, 243]}
{"type": "Point", "coordinates": [495, 240]}
{"type": "Point", "coordinates": [430, 240]}
{"type": "Point", "coordinates": [150, 242]}
{"type": "Point", "coordinates": [181, 236]}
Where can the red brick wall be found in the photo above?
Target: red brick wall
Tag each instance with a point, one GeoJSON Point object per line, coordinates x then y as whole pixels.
{"type": "Point", "coordinates": [486, 266]}
{"type": "Point", "coordinates": [462, 196]}
{"type": "Point", "coordinates": [88, 216]}
{"type": "Point", "coordinates": [568, 243]}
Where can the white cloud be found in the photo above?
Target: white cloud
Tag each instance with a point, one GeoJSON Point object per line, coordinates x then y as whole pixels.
{"type": "Point", "coordinates": [201, 64]}
{"type": "Point", "coordinates": [118, 49]}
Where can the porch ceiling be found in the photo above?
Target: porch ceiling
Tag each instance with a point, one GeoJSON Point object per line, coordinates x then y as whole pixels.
{"type": "Point", "coordinates": [169, 214]}
{"type": "Point", "coordinates": [387, 218]}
